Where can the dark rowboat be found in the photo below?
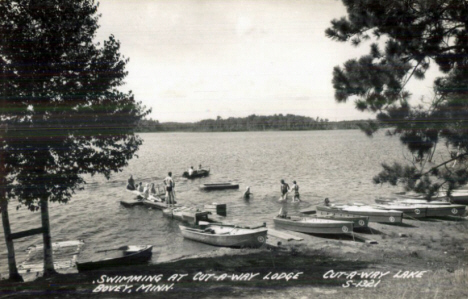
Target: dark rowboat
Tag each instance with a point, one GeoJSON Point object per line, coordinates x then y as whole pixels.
{"type": "Point", "coordinates": [219, 186]}
{"type": "Point", "coordinates": [124, 256]}
{"type": "Point", "coordinates": [196, 174]}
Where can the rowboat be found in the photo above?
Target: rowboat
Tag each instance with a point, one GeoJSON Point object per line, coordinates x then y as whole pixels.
{"type": "Point", "coordinates": [410, 201]}
{"type": "Point", "coordinates": [358, 221]}
{"type": "Point", "coordinates": [313, 225]}
{"type": "Point", "coordinates": [196, 174]}
{"type": "Point", "coordinates": [374, 214]}
{"type": "Point", "coordinates": [456, 197]}
{"type": "Point", "coordinates": [65, 254]}
{"type": "Point", "coordinates": [425, 210]}
{"type": "Point", "coordinates": [219, 186]}
{"type": "Point", "coordinates": [459, 197]}
{"type": "Point", "coordinates": [123, 256]}
{"type": "Point", "coordinates": [187, 214]}
{"type": "Point", "coordinates": [226, 235]}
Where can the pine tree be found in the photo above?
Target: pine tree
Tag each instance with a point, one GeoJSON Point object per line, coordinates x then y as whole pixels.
{"type": "Point", "coordinates": [62, 108]}
{"type": "Point", "coordinates": [415, 34]}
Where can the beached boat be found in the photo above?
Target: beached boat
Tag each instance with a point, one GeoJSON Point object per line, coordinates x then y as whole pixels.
{"type": "Point", "coordinates": [123, 256]}
{"type": "Point", "coordinates": [226, 235]}
{"type": "Point", "coordinates": [425, 210]}
{"type": "Point", "coordinates": [199, 173]}
{"type": "Point", "coordinates": [219, 186]}
{"type": "Point", "coordinates": [65, 255]}
{"type": "Point", "coordinates": [188, 214]}
{"type": "Point", "coordinates": [358, 221]}
{"type": "Point", "coordinates": [410, 201]}
{"type": "Point", "coordinates": [459, 197]}
{"type": "Point", "coordinates": [313, 225]}
{"type": "Point", "coordinates": [374, 214]}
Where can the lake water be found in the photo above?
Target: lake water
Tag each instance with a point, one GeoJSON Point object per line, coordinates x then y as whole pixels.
{"type": "Point", "coordinates": [334, 164]}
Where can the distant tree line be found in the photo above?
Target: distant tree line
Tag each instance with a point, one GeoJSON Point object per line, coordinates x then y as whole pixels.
{"type": "Point", "coordinates": [277, 122]}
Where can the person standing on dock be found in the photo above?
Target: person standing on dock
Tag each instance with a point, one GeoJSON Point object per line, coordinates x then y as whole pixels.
{"type": "Point", "coordinates": [295, 188]}
{"type": "Point", "coordinates": [169, 183]}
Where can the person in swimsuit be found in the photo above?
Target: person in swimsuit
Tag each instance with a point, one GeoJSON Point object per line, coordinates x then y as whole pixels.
{"type": "Point", "coordinates": [169, 183]}
{"type": "Point", "coordinates": [295, 188]}
{"type": "Point", "coordinates": [247, 193]}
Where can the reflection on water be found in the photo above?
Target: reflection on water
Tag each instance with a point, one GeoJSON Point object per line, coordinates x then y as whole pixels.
{"type": "Point", "coordinates": [334, 164]}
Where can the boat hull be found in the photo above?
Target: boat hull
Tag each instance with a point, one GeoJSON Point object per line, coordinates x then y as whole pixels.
{"type": "Point", "coordinates": [314, 225]}
{"type": "Point", "coordinates": [219, 186]}
{"type": "Point", "coordinates": [196, 174]}
{"type": "Point", "coordinates": [383, 216]}
{"type": "Point", "coordinates": [139, 257]}
{"type": "Point", "coordinates": [253, 238]}
{"type": "Point", "coordinates": [358, 221]}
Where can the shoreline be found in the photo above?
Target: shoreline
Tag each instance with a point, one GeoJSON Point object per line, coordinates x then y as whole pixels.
{"type": "Point", "coordinates": [433, 253]}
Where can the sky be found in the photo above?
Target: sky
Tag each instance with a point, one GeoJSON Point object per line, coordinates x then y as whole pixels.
{"type": "Point", "coordinates": [198, 59]}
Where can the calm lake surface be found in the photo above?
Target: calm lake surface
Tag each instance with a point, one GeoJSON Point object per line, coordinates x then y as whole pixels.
{"type": "Point", "coordinates": [334, 164]}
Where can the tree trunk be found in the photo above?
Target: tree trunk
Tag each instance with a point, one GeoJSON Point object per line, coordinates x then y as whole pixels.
{"type": "Point", "coordinates": [47, 239]}
{"type": "Point", "coordinates": [14, 275]}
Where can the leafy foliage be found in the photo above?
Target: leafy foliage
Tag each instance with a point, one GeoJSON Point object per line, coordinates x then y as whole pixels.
{"type": "Point", "coordinates": [409, 36]}
{"type": "Point", "coordinates": [61, 103]}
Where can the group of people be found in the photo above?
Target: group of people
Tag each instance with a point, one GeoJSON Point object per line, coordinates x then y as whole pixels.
{"type": "Point", "coordinates": [169, 187]}
{"type": "Point", "coordinates": [285, 189]}
{"type": "Point", "coordinates": [150, 189]}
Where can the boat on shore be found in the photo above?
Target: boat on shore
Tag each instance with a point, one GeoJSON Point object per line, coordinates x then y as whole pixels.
{"type": "Point", "coordinates": [358, 221]}
{"type": "Point", "coordinates": [374, 214]}
{"type": "Point", "coordinates": [313, 225]}
{"type": "Point", "coordinates": [123, 256]}
{"type": "Point", "coordinates": [199, 173]}
{"type": "Point", "coordinates": [226, 235]}
{"type": "Point", "coordinates": [410, 201]}
{"type": "Point", "coordinates": [218, 186]}
{"type": "Point", "coordinates": [425, 210]}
